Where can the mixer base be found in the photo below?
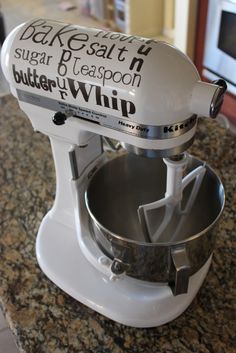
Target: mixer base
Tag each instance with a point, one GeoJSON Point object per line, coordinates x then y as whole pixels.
{"type": "Point", "coordinates": [127, 301]}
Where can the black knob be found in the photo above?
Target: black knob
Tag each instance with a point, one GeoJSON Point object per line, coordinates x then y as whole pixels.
{"type": "Point", "coordinates": [59, 118]}
{"type": "Point", "coordinates": [221, 83]}
{"type": "Point", "coordinates": [218, 98]}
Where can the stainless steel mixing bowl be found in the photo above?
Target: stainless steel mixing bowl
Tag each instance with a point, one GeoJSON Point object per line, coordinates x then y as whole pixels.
{"type": "Point", "coordinates": [113, 196]}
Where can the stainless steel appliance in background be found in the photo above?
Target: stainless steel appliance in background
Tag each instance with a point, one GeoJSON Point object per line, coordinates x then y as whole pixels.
{"type": "Point", "coordinates": [98, 9]}
{"type": "Point", "coordinates": [120, 15]}
{"type": "Point", "coordinates": [220, 45]}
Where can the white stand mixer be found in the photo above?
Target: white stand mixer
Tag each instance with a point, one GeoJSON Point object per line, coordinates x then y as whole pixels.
{"type": "Point", "coordinates": [77, 85]}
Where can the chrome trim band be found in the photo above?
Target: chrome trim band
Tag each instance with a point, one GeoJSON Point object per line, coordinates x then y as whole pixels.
{"type": "Point", "coordinates": [150, 132]}
{"type": "Point", "coordinates": [151, 153]}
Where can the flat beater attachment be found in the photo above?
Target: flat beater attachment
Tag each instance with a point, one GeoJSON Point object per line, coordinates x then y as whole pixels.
{"type": "Point", "coordinates": [163, 220]}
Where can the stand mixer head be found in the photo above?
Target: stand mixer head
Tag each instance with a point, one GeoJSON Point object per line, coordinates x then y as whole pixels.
{"type": "Point", "coordinates": [79, 85]}
{"type": "Point", "coordinates": [142, 92]}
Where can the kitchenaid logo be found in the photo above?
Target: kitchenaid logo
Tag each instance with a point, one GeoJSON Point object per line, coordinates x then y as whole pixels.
{"type": "Point", "coordinates": [81, 91]}
{"type": "Point", "coordinates": [184, 126]}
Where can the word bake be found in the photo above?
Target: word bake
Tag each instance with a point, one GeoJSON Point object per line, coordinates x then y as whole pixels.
{"type": "Point", "coordinates": [42, 31]}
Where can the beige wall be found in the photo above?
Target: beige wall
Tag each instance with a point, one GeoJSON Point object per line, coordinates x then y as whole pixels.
{"type": "Point", "coordinates": [185, 25]}
{"type": "Point", "coordinates": [169, 18]}
{"type": "Point", "coordinates": [146, 17]}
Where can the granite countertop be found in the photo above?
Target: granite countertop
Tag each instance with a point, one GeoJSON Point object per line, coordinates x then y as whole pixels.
{"type": "Point", "coordinates": [42, 317]}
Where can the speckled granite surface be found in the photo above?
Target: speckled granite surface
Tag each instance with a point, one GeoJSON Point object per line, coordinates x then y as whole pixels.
{"type": "Point", "coordinates": [42, 317]}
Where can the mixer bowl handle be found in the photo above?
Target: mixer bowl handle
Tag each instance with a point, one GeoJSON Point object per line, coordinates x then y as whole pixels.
{"type": "Point", "coordinates": [180, 271]}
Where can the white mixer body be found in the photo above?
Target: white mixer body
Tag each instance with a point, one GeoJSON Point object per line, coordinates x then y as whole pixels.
{"type": "Point", "coordinates": [142, 92]}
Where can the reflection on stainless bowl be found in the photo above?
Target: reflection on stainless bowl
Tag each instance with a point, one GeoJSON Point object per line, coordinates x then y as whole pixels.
{"type": "Point", "coordinates": [123, 184]}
